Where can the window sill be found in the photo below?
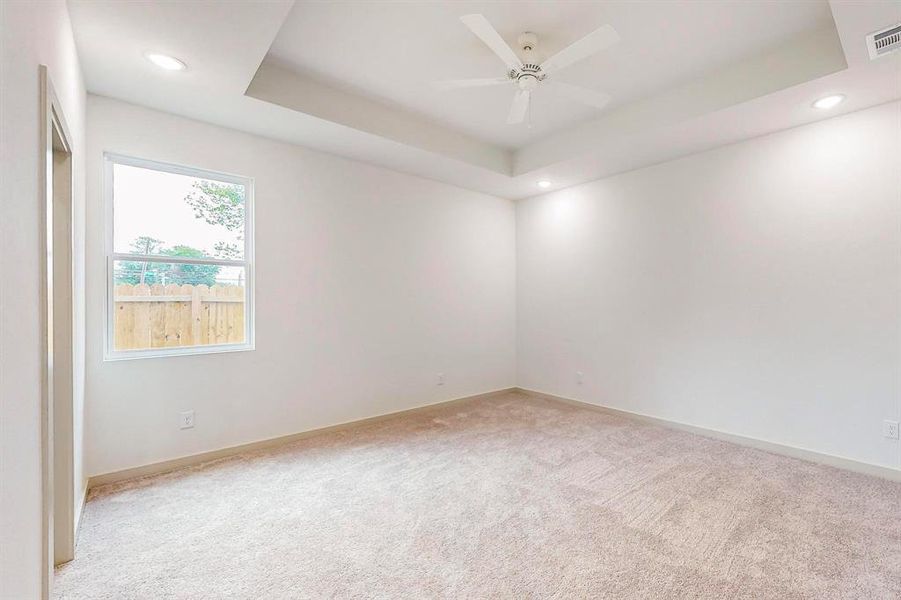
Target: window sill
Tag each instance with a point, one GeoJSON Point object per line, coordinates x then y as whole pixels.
{"type": "Point", "coordinates": [118, 355]}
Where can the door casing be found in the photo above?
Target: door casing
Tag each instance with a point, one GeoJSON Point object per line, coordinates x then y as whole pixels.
{"type": "Point", "coordinates": [57, 339]}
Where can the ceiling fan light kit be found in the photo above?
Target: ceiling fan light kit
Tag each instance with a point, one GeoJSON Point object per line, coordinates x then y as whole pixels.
{"type": "Point", "coordinates": [528, 73]}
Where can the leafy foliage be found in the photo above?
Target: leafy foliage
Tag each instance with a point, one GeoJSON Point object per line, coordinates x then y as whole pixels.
{"type": "Point", "coordinates": [134, 272]}
{"type": "Point", "coordinates": [218, 203]}
{"type": "Point", "coordinates": [146, 245]}
{"type": "Point", "coordinates": [226, 250]}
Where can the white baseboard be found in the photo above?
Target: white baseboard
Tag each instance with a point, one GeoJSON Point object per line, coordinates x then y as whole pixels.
{"type": "Point", "coordinates": [167, 466]}
{"type": "Point", "coordinates": [203, 457]}
{"type": "Point", "coordinates": [774, 447]}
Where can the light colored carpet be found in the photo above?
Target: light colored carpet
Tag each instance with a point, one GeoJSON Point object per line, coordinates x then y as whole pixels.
{"type": "Point", "coordinates": [504, 497]}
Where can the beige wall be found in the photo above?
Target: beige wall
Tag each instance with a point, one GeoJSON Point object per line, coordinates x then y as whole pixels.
{"type": "Point", "coordinates": [754, 289]}
{"type": "Point", "coordinates": [33, 33]}
{"type": "Point", "coordinates": [368, 284]}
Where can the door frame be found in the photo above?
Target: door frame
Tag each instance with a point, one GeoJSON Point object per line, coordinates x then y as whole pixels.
{"type": "Point", "coordinates": [56, 187]}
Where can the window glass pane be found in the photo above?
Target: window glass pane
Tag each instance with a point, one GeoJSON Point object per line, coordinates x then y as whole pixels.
{"type": "Point", "coordinates": [155, 212]}
{"type": "Point", "coordinates": [171, 305]}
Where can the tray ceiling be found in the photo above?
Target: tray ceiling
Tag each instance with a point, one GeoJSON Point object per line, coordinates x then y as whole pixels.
{"type": "Point", "coordinates": [390, 52]}
{"type": "Point", "coordinates": [353, 78]}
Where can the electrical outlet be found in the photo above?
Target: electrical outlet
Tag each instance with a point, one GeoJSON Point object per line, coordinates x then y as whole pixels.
{"type": "Point", "coordinates": [187, 420]}
{"type": "Point", "coordinates": [890, 429]}
{"type": "Point", "coordinates": [579, 377]}
{"type": "Point", "coordinates": [440, 379]}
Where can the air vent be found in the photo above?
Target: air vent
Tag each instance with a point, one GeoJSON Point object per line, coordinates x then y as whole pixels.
{"type": "Point", "coordinates": [884, 42]}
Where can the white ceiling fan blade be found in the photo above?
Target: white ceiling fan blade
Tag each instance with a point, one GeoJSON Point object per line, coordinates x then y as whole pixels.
{"type": "Point", "coordinates": [453, 84]}
{"type": "Point", "coordinates": [519, 107]}
{"type": "Point", "coordinates": [579, 94]}
{"type": "Point", "coordinates": [488, 34]}
{"type": "Point", "coordinates": [592, 43]}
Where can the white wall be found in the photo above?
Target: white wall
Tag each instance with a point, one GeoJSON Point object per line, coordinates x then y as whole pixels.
{"type": "Point", "coordinates": [33, 33]}
{"type": "Point", "coordinates": [368, 284]}
{"type": "Point", "coordinates": [753, 289]}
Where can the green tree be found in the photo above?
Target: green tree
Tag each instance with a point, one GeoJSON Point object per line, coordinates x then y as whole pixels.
{"type": "Point", "coordinates": [149, 272]}
{"type": "Point", "coordinates": [192, 274]}
{"type": "Point", "coordinates": [226, 250]}
{"type": "Point", "coordinates": [145, 245]}
{"type": "Point", "coordinates": [218, 203]}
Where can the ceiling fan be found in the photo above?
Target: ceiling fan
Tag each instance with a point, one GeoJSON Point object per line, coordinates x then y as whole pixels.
{"type": "Point", "coordinates": [528, 73]}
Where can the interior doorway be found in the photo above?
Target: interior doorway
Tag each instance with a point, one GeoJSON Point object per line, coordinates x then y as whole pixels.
{"type": "Point", "coordinates": [58, 319]}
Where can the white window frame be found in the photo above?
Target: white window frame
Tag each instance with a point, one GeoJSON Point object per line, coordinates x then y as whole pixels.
{"type": "Point", "coordinates": [110, 353]}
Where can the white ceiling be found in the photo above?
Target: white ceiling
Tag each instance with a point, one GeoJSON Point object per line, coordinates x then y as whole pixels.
{"type": "Point", "coordinates": [391, 51]}
{"type": "Point", "coordinates": [704, 74]}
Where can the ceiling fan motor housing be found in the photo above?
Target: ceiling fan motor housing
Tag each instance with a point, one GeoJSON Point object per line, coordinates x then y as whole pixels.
{"type": "Point", "coordinates": [527, 81]}
{"type": "Point", "coordinates": [528, 77]}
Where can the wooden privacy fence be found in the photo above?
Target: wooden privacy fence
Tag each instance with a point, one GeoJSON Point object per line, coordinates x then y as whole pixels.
{"type": "Point", "coordinates": [163, 316]}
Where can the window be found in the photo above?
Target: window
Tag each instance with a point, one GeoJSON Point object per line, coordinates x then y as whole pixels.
{"type": "Point", "coordinates": [179, 259]}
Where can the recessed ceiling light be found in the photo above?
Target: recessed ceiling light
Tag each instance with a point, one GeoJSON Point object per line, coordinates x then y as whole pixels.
{"type": "Point", "coordinates": [544, 184]}
{"type": "Point", "coordinates": [164, 61]}
{"type": "Point", "coordinates": [829, 101]}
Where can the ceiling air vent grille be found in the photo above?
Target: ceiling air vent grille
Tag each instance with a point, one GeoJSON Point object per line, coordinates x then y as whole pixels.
{"type": "Point", "coordinates": [884, 42]}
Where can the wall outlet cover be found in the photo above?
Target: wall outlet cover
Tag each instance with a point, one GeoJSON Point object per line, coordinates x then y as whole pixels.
{"type": "Point", "coordinates": [187, 420]}
{"type": "Point", "coordinates": [890, 429]}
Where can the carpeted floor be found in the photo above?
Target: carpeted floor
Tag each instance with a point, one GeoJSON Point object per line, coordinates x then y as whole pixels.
{"type": "Point", "coordinates": [504, 497]}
